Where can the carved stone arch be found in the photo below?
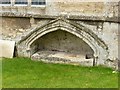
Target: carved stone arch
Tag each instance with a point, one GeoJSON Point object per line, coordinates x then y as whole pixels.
{"type": "Point", "coordinates": [97, 45]}
{"type": "Point", "coordinates": [29, 43]}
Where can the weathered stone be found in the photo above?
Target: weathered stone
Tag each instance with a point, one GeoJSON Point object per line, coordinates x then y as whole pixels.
{"type": "Point", "coordinates": [21, 30]}
{"type": "Point", "coordinates": [35, 42]}
{"type": "Point", "coordinates": [94, 23]}
{"type": "Point", "coordinates": [62, 57]}
{"type": "Point", "coordinates": [18, 33]}
{"type": "Point", "coordinates": [7, 48]}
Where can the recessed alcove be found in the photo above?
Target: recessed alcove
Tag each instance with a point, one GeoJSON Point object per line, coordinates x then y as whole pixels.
{"type": "Point", "coordinates": [62, 47]}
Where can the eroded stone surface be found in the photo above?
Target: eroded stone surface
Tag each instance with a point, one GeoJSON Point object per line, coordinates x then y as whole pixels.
{"type": "Point", "coordinates": [61, 41]}
{"type": "Point", "coordinates": [7, 48]}
{"type": "Point", "coordinates": [98, 26]}
{"type": "Point", "coordinates": [27, 45]}
{"type": "Point", "coordinates": [62, 57]}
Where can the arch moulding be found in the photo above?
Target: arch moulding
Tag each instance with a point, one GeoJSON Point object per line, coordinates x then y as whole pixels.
{"type": "Point", "coordinates": [96, 44]}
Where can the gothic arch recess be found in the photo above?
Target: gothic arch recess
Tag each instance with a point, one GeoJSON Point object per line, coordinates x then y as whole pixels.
{"type": "Point", "coordinates": [97, 45]}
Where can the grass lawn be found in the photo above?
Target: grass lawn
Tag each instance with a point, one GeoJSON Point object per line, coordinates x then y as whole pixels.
{"type": "Point", "coordinates": [24, 73]}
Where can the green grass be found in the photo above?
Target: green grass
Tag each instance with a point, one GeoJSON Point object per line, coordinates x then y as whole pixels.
{"type": "Point", "coordinates": [24, 73]}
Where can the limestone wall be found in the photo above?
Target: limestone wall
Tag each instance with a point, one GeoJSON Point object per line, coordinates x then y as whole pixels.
{"type": "Point", "coordinates": [67, 7]}
{"type": "Point", "coordinates": [18, 21]}
{"type": "Point", "coordinates": [62, 41]}
{"type": "Point", "coordinates": [109, 33]}
{"type": "Point", "coordinates": [23, 10]}
{"type": "Point", "coordinates": [80, 8]}
{"type": "Point", "coordinates": [13, 27]}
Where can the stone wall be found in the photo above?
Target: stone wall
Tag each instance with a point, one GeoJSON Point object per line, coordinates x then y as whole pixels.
{"type": "Point", "coordinates": [108, 32]}
{"type": "Point", "coordinates": [101, 18]}
{"type": "Point", "coordinates": [13, 27]}
{"type": "Point", "coordinates": [23, 9]}
{"type": "Point", "coordinates": [16, 28]}
{"type": "Point", "coordinates": [101, 9]}
{"type": "Point", "coordinates": [79, 7]}
{"type": "Point", "coordinates": [62, 41]}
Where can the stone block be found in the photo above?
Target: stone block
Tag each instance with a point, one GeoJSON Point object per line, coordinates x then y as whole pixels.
{"type": "Point", "coordinates": [7, 48]}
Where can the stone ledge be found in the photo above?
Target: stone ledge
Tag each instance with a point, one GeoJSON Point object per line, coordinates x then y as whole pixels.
{"type": "Point", "coordinates": [62, 57]}
{"type": "Point", "coordinates": [70, 17]}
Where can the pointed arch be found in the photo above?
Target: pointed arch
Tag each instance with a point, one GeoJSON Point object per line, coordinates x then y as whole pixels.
{"type": "Point", "coordinates": [97, 45]}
